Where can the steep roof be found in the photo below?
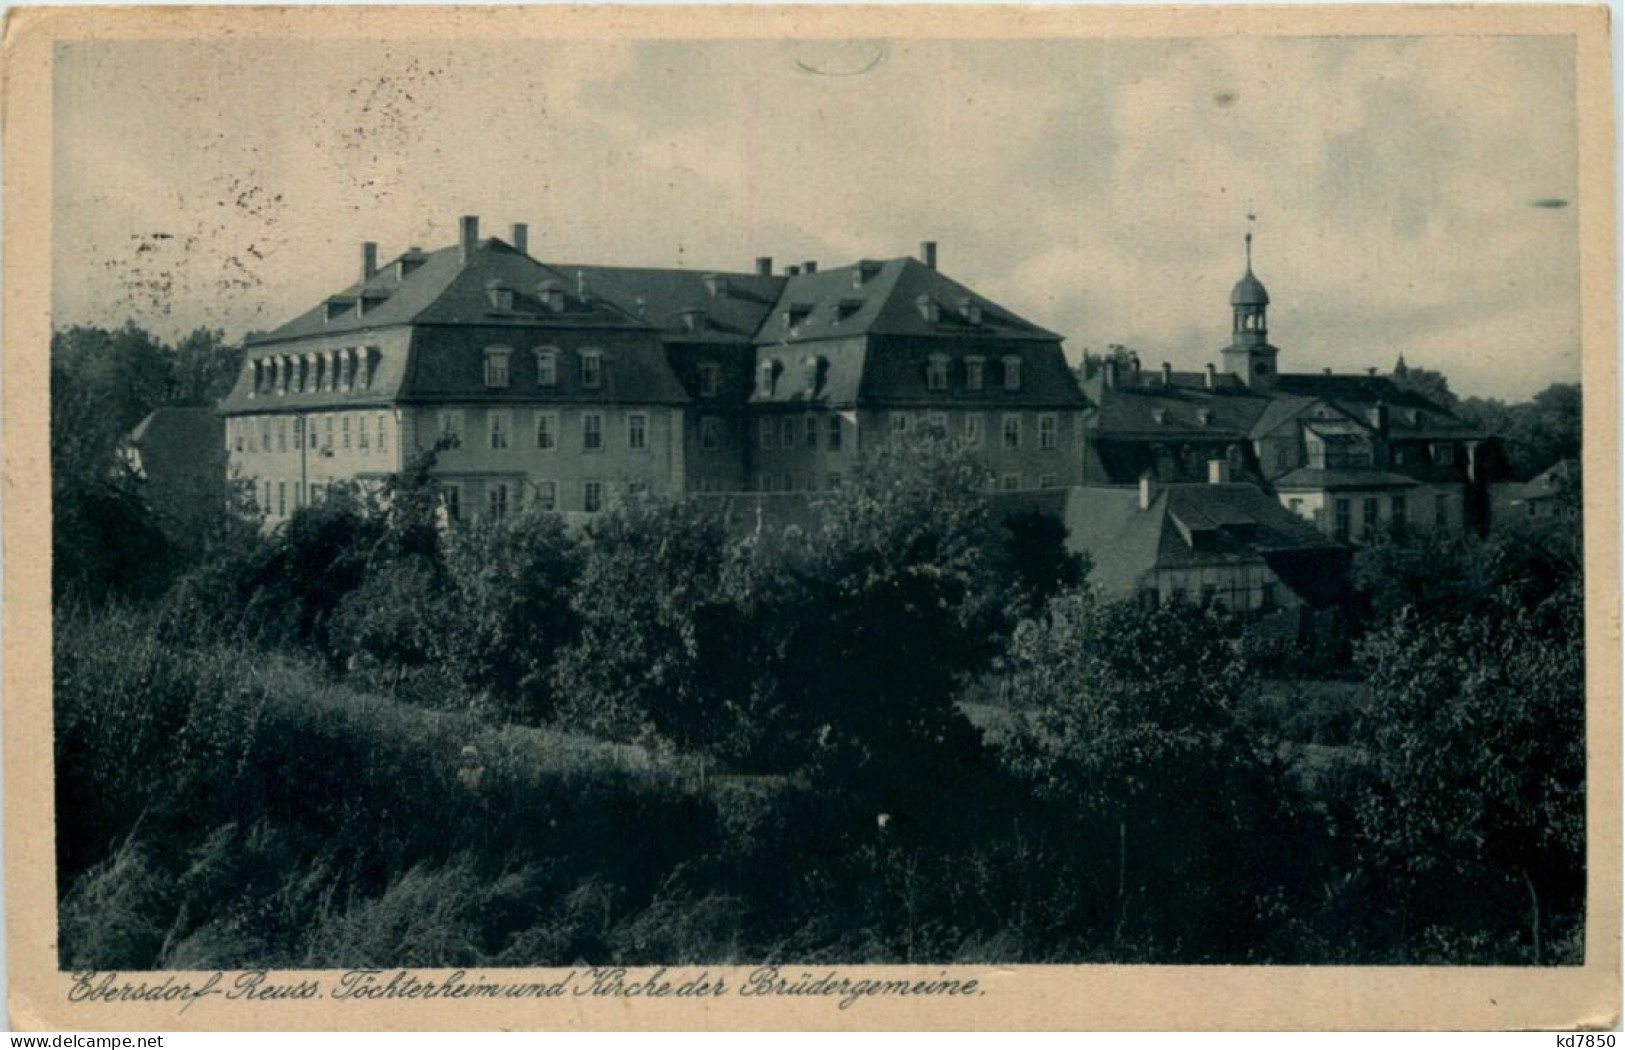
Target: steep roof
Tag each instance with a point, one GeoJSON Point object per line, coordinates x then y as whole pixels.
{"type": "Point", "coordinates": [176, 442]}
{"type": "Point", "coordinates": [1313, 478]}
{"type": "Point", "coordinates": [1185, 526]}
{"type": "Point", "coordinates": [883, 298]}
{"type": "Point", "coordinates": [1180, 413]}
{"type": "Point", "coordinates": [442, 289]}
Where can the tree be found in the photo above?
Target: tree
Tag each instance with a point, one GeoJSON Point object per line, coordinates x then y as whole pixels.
{"type": "Point", "coordinates": [1424, 381]}
{"type": "Point", "coordinates": [1536, 433]}
{"type": "Point", "coordinates": [1476, 733]}
{"type": "Point", "coordinates": [204, 367]}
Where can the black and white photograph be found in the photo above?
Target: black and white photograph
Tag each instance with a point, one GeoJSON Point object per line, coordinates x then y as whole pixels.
{"type": "Point", "coordinates": [766, 505]}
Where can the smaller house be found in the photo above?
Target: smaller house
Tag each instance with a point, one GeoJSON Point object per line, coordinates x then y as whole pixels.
{"type": "Point", "coordinates": [180, 456]}
{"type": "Point", "coordinates": [1551, 495]}
{"type": "Point", "coordinates": [1222, 544]}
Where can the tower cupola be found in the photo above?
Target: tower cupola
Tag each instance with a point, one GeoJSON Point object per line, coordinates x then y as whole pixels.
{"type": "Point", "coordinates": [1250, 357]}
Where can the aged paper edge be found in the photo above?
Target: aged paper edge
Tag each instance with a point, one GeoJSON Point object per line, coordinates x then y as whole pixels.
{"type": "Point", "coordinates": [1019, 997]}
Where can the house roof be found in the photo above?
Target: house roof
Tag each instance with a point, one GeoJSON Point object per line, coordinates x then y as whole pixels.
{"type": "Point", "coordinates": [1185, 526]}
{"type": "Point", "coordinates": [883, 298]}
{"type": "Point", "coordinates": [1176, 413]}
{"type": "Point", "coordinates": [1312, 478]}
{"type": "Point", "coordinates": [442, 289]}
{"type": "Point", "coordinates": [727, 307]}
{"type": "Point", "coordinates": [176, 443]}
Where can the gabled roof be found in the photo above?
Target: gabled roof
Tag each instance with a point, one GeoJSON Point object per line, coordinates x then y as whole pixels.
{"type": "Point", "coordinates": [444, 290]}
{"type": "Point", "coordinates": [883, 298]}
{"type": "Point", "coordinates": [1184, 527]}
{"type": "Point", "coordinates": [1177, 413]}
{"type": "Point", "coordinates": [176, 442]}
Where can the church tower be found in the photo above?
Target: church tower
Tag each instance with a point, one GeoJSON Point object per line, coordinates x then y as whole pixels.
{"type": "Point", "coordinates": [1250, 357]}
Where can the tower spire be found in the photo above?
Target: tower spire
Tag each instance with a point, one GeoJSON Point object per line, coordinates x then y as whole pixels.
{"type": "Point", "coordinates": [1251, 218]}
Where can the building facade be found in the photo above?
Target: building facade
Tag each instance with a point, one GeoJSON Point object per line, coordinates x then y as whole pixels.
{"type": "Point", "coordinates": [572, 386]}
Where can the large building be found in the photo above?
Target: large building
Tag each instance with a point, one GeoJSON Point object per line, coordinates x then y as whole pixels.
{"type": "Point", "coordinates": [570, 385]}
{"type": "Point", "coordinates": [1356, 455]}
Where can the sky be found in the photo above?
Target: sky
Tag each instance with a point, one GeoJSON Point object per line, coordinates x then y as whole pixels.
{"type": "Point", "coordinates": [1412, 195]}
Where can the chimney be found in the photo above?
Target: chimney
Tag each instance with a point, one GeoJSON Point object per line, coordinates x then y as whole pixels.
{"type": "Point", "coordinates": [1109, 367]}
{"type": "Point", "coordinates": [1212, 376]}
{"type": "Point", "coordinates": [521, 238]}
{"type": "Point", "coordinates": [928, 254]}
{"type": "Point", "coordinates": [1134, 366]}
{"type": "Point", "coordinates": [1147, 491]}
{"type": "Point", "coordinates": [469, 241]}
{"type": "Point", "coordinates": [369, 259]}
{"type": "Point", "coordinates": [810, 266]}
{"type": "Point", "coordinates": [1218, 472]}
{"type": "Point", "coordinates": [1167, 374]}
{"type": "Point", "coordinates": [792, 271]}
{"type": "Point", "coordinates": [764, 266]}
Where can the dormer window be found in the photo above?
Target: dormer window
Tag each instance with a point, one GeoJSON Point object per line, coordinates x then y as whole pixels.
{"type": "Point", "coordinates": [693, 319]}
{"type": "Point", "coordinates": [370, 301]}
{"type": "Point", "coordinates": [766, 376]}
{"type": "Point", "coordinates": [973, 373]}
{"type": "Point", "coordinates": [847, 308]}
{"type": "Point", "coordinates": [592, 369]}
{"type": "Point", "coordinates": [496, 367]}
{"type": "Point", "coordinates": [413, 258]}
{"type": "Point", "coordinates": [1204, 417]}
{"type": "Point", "coordinates": [710, 378]}
{"type": "Point", "coordinates": [1159, 416]}
{"type": "Point", "coordinates": [864, 272]}
{"type": "Point", "coordinates": [501, 295]}
{"type": "Point", "coordinates": [1012, 374]}
{"type": "Point", "coordinates": [551, 293]}
{"type": "Point", "coordinates": [972, 311]}
{"type": "Point", "coordinates": [716, 285]}
{"type": "Point", "coordinates": [547, 367]}
{"type": "Point", "coordinates": [936, 373]}
{"type": "Point", "coordinates": [929, 309]}
{"type": "Point", "coordinates": [338, 306]}
{"type": "Point", "coordinates": [796, 314]}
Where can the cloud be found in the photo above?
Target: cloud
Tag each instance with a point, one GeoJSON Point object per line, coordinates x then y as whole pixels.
{"type": "Point", "coordinates": [1098, 187]}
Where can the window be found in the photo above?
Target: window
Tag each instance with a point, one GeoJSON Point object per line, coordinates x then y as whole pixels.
{"type": "Point", "coordinates": [810, 431]}
{"type": "Point", "coordinates": [1210, 592]}
{"type": "Point", "coordinates": [383, 433]}
{"type": "Point", "coordinates": [899, 425]}
{"type": "Point", "coordinates": [936, 373]}
{"type": "Point", "coordinates": [1441, 511]}
{"type": "Point", "coordinates": [364, 439]}
{"type": "Point", "coordinates": [547, 367]}
{"type": "Point", "coordinates": [767, 432]}
{"type": "Point", "coordinates": [1266, 595]}
{"type": "Point", "coordinates": [547, 495]}
{"type": "Point", "coordinates": [496, 367]}
{"type": "Point", "coordinates": [973, 430]}
{"type": "Point", "coordinates": [237, 435]}
{"type": "Point", "coordinates": [765, 483]}
{"type": "Point", "coordinates": [298, 434]}
{"type": "Point", "coordinates": [496, 499]}
{"type": "Point", "coordinates": [834, 433]}
{"type": "Point", "coordinates": [787, 432]}
{"type": "Point", "coordinates": [637, 431]}
{"type": "Point", "coordinates": [1283, 457]}
{"type": "Point", "coordinates": [265, 504]}
{"type": "Point", "coordinates": [592, 370]}
{"type": "Point", "coordinates": [327, 439]}
{"type": "Point", "coordinates": [499, 426]}
{"type": "Point", "coordinates": [265, 435]}
{"type": "Point", "coordinates": [1369, 512]}
{"type": "Point", "coordinates": [1012, 373]}
{"type": "Point", "coordinates": [453, 498]}
{"type": "Point", "coordinates": [1342, 524]}
{"type": "Point", "coordinates": [973, 373]}
{"type": "Point", "coordinates": [764, 378]}
{"type": "Point", "coordinates": [1010, 482]}
{"type": "Point", "coordinates": [298, 494]}
{"type": "Point", "coordinates": [592, 432]}
{"type": "Point", "coordinates": [282, 498]}
{"type": "Point", "coordinates": [710, 433]}
{"type": "Point", "coordinates": [834, 481]}
{"type": "Point", "coordinates": [592, 496]}
{"type": "Point", "coordinates": [282, 435]}
{"type": "Point", "coordinates": [1046, 432]}
{"type": "Point", "coordinates": [547, 431]}
{"type": "Point", "coordinates": [710, 378]}
{"type": "Point", "coordinates": [1012, 431]}
{"type": "Point", "coordinates": [344, 426]}
{"type": "Point", "coordinates": [1295, 506]}
{"type": "Point", "coordinates": [451, 427]}
{"type": "Point", "coordinates": [1398, 515]}
{"type": "Point", "coordinates": [1046, 481]}
{"type": "Point", "coordinates": [938, 422]}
